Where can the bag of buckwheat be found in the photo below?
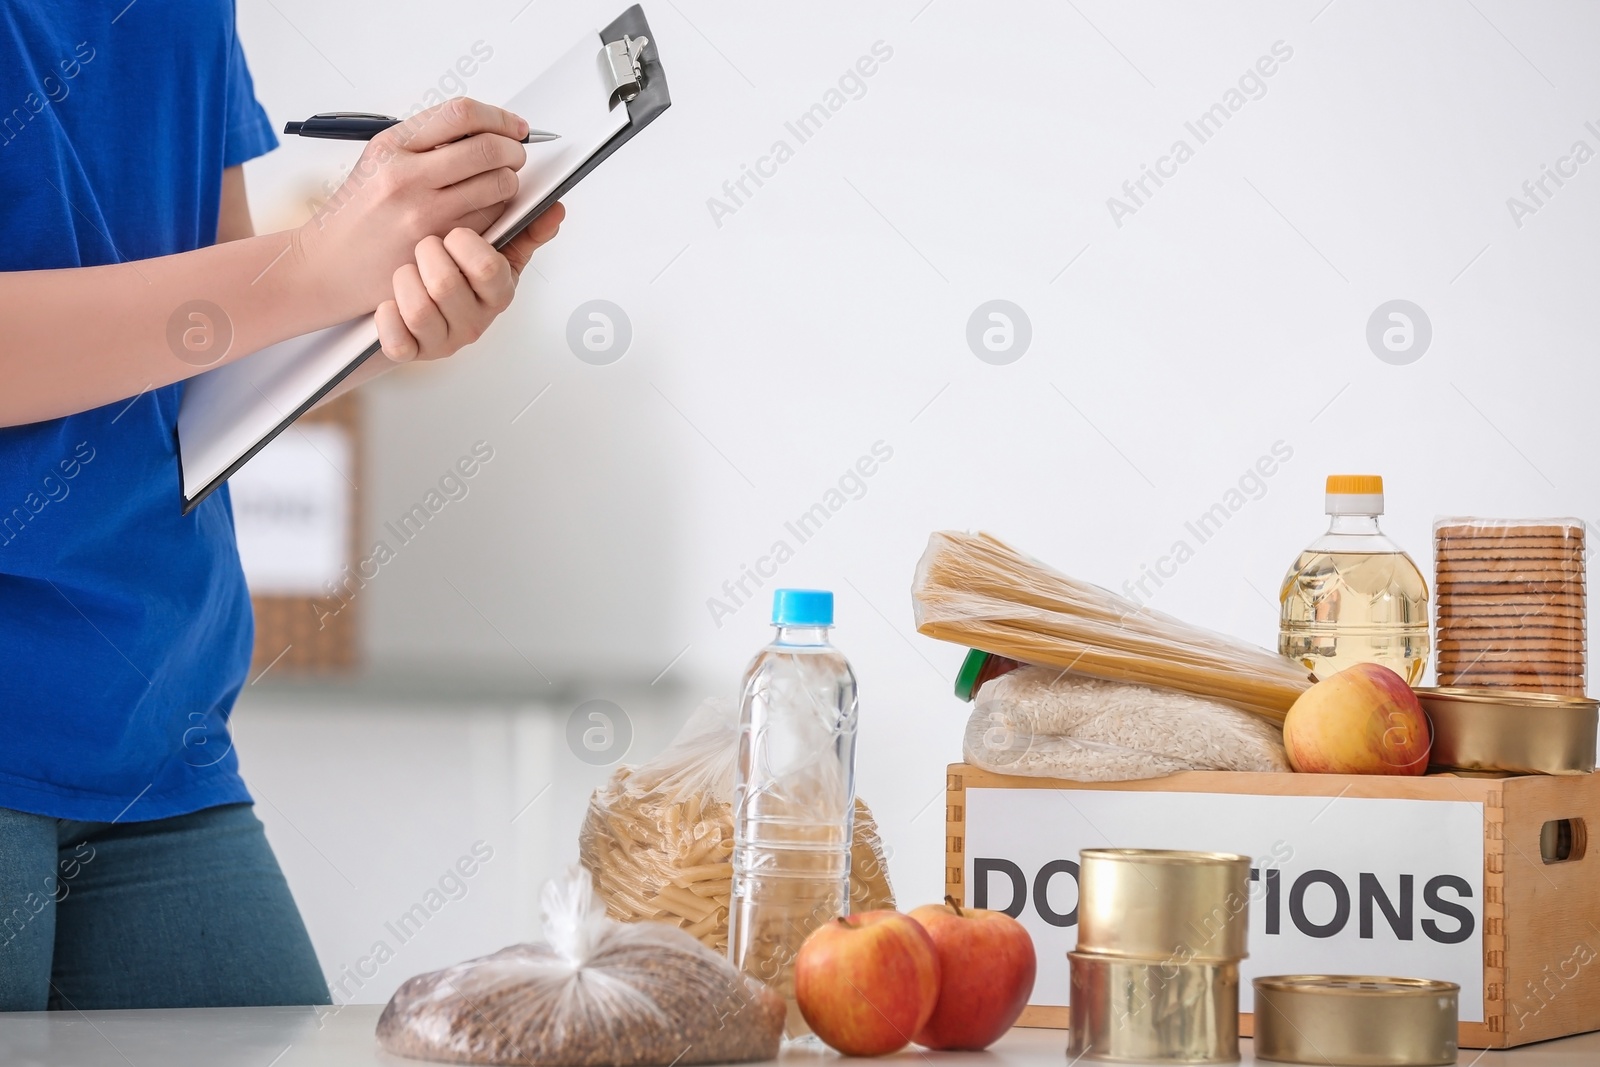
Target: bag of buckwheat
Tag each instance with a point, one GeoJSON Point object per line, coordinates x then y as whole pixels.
{"type": "Point", "coordinates": [593, 992]}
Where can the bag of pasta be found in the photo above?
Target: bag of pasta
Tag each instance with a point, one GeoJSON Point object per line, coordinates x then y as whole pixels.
{"type": "Point", "coordinates": [658, 837]}
{"type": "Point", "coordinates": [593, 992]}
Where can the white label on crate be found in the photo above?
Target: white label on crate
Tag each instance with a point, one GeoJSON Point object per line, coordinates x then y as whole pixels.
{"type": "Point", "coordinates": [291, 508]}
{"type": "Point", "coordinates": [1340, 885]}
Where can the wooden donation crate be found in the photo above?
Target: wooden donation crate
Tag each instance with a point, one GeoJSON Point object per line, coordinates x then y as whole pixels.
{"type": "Point", "coordinates": [1485, 882]}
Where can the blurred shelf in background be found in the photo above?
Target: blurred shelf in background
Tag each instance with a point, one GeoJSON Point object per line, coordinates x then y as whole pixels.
{"type": "Point", "coordinates": [295, 507]}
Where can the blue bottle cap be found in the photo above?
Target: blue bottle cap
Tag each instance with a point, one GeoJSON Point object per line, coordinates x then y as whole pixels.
{"type": "Point", "coordinates": [802, 607]}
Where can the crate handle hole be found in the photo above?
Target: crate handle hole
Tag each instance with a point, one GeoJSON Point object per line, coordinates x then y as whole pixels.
{"type": "Point", "coordinates": [1562, 840]}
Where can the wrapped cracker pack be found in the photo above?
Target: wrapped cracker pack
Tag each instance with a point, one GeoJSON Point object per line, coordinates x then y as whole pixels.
{"type": "Point", "coordinates": [1513, 606]}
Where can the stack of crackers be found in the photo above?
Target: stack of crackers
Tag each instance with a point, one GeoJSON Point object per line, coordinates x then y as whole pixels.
{"type": "Point", "coordinates": [1511, 603]}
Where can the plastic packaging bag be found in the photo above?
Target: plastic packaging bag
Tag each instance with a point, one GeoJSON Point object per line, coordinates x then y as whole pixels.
{"type": "Point", "coordinates": [593, 992]}
{"type": "Point", "coordinates": [1511, 603]}
{"type": "Point", "coordinates": [1044, 722]}
{"type": "Point", "coordinates": [658, 837]}
{"type": "Point", "coordinates": [978, 591]}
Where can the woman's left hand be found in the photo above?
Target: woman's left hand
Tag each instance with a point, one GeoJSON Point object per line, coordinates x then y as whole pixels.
{"type": "Point", "coordinates": [449, 296]}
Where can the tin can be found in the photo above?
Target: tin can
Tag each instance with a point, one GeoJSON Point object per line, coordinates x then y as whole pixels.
{"type": "Point", "coordinates": [1144, 1011]}
{"type": "Point", "coordinates": [1479, 729]}
{"type": "Point", "coordinates": [1356, 1020]}
{"type": "Point", "coordinates": [1155, 904]}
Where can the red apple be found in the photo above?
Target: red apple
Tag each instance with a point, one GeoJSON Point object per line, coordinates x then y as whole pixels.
{"type": "Point", "coordinates": [866, 983]}
{"type": "Point", "coordinates": [986, 968]}
{"type": "Point", "coordinates": [1363, 720]}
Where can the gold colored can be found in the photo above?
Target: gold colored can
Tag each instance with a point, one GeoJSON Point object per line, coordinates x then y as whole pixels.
{"type": "Point", "coordinates": [1157, 904]}
{"type": "Point", "coordinates": [1144, 1011]}
{"type": "Point", "coordinates": [1480, 729]}
{"type": "Point", "coordinates": [1356, 1020]}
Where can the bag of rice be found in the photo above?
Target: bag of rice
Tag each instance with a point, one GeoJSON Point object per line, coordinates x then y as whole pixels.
{"type": "Point", "coordinates": [594, 992]}
{"type": "Point", "coordinates": [658, 837]}
{"type": "Point", "coordinates": [1048, 723]}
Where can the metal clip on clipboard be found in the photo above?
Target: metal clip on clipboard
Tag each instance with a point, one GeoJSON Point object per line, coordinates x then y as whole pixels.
{"type": "Point", "coordinates": [620, 60]}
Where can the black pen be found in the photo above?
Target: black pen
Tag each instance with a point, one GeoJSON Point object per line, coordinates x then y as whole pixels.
{"type": "Point", "coordinates": [360, 126]}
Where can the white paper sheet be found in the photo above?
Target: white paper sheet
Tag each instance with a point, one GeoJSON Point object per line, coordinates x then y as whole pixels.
{"type": "Point", "coordinates": [228, 411]}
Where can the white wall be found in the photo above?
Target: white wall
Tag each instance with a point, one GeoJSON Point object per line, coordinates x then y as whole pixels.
{"type": "Point", "coordinates": [829, 311]}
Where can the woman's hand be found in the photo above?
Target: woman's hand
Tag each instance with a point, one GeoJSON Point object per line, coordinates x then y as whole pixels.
{"type": "Point", "coordinates": [451, 167]}
{"type": "Point", "coordinates": [455, 288]}
{"type": "Point", "coordinates": [446, 171]}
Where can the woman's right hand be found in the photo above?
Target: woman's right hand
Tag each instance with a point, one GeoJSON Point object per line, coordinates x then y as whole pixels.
{"type": "Point", "coordinates": [454, 165]}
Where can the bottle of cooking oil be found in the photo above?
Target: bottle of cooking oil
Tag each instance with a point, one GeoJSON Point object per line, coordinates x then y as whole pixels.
{"type": "Point", "coordinates": [1353, 596]}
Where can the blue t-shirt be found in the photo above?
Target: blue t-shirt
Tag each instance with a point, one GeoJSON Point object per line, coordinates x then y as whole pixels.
{"type": "Point", "coordinates": [125, 627]}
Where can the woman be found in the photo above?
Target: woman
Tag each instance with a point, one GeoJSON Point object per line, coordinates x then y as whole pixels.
{"type": "Point", "coordinates": [133, 874]}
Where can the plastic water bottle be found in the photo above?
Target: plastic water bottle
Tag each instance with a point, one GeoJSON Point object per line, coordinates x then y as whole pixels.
{"type": "Point", "coordinates": [794, 796]}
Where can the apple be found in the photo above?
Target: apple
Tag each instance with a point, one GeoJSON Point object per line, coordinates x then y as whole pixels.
{"type": "Point", "coordinates": [866, 983]}
{"type": "Point", "coordinates": [986, 969]}
{"type": "Point", "coordinates": [1363, 720]}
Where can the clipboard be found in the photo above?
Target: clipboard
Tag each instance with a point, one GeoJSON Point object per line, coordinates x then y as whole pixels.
{"type": "Point", "coordinates": [229, 414]}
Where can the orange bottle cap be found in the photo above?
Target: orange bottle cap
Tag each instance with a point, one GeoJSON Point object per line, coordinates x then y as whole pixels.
{"type": "Point", "coordinates": [1364, 484]}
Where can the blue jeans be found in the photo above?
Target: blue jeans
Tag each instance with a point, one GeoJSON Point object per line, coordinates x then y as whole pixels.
{"type": "Point", "coordinates": [185, 912]}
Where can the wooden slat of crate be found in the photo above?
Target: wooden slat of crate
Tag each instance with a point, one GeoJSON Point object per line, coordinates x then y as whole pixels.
{"type": "Point", "coordinates": [316, 635]}
{"type": "Point", "coordinates": [1539, 919]}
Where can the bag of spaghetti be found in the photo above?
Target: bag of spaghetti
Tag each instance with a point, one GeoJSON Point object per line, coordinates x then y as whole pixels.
{"type": "Point", "coordinates": [658, 837]}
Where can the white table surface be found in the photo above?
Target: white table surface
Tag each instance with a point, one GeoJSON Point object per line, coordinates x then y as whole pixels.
{"type": "Point", "coordinates": [324, 1037]}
